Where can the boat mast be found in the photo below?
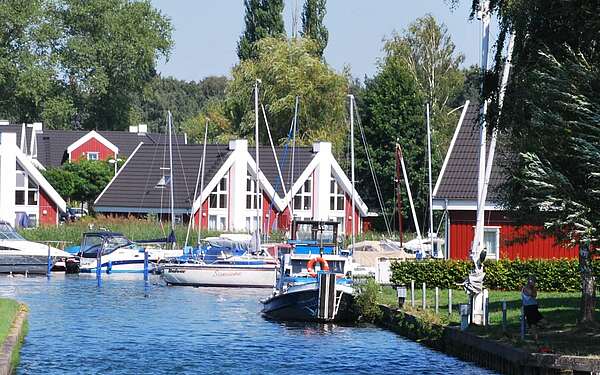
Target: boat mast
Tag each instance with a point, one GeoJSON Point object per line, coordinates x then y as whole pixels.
{"type": "Point", "coordinates": [399, 194]}
{"type": "Point", "coordinates": [430, 186]}
{"type": "Point", "coordinates": [258, 208]}
{"type": "Point", "coordinates": [295, 121]}
{"type": "Point", "coordinates": [410, 200]}
{"type": "Point", "coordinates": [352, 165]}
{"type": "Point", "coordinates": [202, 181]}
{"type": "Point", "coordinates": [170, 121]}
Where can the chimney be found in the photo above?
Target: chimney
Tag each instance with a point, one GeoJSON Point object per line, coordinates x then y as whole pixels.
{"type": "Point", "coordinates": [142, 128]}
{"type": "Point", "coordinates": [4, 122]}
{"type": "Point", "coordinates": [238, 144]}
{"type": "Point", "coordinates": [133, 128]}
{"type": "Point", "coordinates": [37, 127]}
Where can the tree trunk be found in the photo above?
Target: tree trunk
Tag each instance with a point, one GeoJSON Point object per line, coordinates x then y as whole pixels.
{"type": "Point", "coordinates": [588, 285]}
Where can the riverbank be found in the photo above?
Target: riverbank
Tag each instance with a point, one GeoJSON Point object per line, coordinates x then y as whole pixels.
{"type": "Point", "coordinates": [562, 345]}
{"type": "Point", "coordinates": [13, 328]}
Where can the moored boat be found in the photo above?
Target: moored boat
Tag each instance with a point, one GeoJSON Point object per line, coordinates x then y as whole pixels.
{"type": "Point", "coordinates": [305, 292]}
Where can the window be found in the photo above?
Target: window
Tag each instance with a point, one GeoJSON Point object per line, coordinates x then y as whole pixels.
{"type": "Point", "coordinates": [218, 197]}
{"type": "Point", "coordinates": [337, 198]}
{"type": "Point", "coordinates": [251, 193]}
{"type": "Point", "coordinates": [20, 197]}
{"type": "Point", "coordinates": [303, 199]}
{"type": "Point", "coordinates": [93, 156]}
{"type": "Point", "coordinates": [212, 222]}
{"type": "Point", "coordinates": [32, 193]}
{"type": "Point", "coordinates": [26, 190]}
{"type": "Point", "coordinates": [491, 240]}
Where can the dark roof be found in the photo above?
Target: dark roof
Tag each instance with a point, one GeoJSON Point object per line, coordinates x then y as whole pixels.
{"type": "Point", "coordinates": [17, 128]}
{"type": "Point", "coordinates": [52, 144]}
{"type": "Point", "coordinates": [135, 186]}
{"type": "Point", "coordinates": [459, 180]}
{"type": "Point", "coordinates": [303, 156]}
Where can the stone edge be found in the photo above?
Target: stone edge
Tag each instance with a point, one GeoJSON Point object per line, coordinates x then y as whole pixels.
{"type": "Point", "coordinates": [11, 343]}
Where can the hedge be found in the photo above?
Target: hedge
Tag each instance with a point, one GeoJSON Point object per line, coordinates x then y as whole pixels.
{"type": "Point", "coordinates": [556, 275]}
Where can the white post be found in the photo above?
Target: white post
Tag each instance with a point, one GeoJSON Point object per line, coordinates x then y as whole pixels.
{"type": "Point", "coordinates": [430, 185]}
{"type": "Point", "coordinates": [352, 165]}
{"type": "Point", "coordinates": [322, 178]}
{"type": "Point", "coordinates": [8, 160]}
{"type": "Point", "coordinates": [256, 140]}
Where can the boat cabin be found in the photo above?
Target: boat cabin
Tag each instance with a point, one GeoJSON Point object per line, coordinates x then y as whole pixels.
{"type": "Point", "coordinates": [108, 242]}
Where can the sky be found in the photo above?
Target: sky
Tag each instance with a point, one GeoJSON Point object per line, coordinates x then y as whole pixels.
{"type": "Point", "coordinates": [206, 32]}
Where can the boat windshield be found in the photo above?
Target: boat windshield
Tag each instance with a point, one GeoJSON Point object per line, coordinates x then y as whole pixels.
{"type": "Point", "coordinates": [307, 232]}
{"type": "Point", "coordinates": [7, 232]}
{"type": "Point", "coordinates": [218, 250]}
{"type": "Point", "coordinates": [91, 244]}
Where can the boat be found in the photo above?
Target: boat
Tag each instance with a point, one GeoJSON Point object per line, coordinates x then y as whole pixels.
{"type": "Point", "coordinates": [116, 253]}
{"type": "Point", "coordinates": [305, 292]}
{"type": "Point", "coordinates": [222, 262]}
{"type": "Point", "coordinates": [18, 255]}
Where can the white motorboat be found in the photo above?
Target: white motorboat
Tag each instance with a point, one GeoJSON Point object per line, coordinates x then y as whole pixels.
{"type": "Point", "coordinates": [18, 255]}
{"type": "Point", "coordinates": [223, 263]}
{"type": "Point", "coordinates": [118, 253]}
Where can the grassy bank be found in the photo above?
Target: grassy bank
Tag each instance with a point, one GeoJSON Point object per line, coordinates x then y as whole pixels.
{"type": "Point", "coordinates": [560, 310]}
{"type": "Point", "coordinates": [8, 311]}
{"type": "Point", "coordinates": [132, 228]}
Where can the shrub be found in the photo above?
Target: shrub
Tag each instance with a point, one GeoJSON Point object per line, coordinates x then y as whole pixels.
{"type": "Point", "coordinates": [557, 275]}
{"type": "Point", "coordinates": [366, 301]}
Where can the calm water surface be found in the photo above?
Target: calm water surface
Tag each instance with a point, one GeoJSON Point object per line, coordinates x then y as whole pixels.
{"type": "Point", "coordinates": [127, 328]}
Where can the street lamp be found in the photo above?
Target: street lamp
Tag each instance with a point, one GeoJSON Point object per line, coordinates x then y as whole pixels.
{"type": "Point", "coordinates": [115, 162]}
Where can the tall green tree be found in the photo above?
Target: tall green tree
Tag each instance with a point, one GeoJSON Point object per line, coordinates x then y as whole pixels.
{"type": "Point", "coordinates": [392, 111]}
{"type": "Point", "coordinates": [264, 18]}
{"type": "Point", "coordinates": [288, 69]}
{"type": "Point", "coordinates": [427, 50]}
{"type": "Point", "coordinates": [551, 113]}
{"type": "Point", "coordinates": [312, 23]}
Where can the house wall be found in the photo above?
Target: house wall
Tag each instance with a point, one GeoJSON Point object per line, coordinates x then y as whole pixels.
{"type": "Point", "coordinates": [204, 224]}
{"type": "Point", "coordinates": [93, 145]}
{"type": "Point", "coordinates": [512, 243]}
{"type": "Point", "coordinates": [48, 212]}
{"type": "Point", "coordinates": [350, 218]}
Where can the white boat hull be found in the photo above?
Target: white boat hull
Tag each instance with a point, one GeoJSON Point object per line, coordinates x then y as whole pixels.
{"type": "Point", "coordinates": [248, 276]}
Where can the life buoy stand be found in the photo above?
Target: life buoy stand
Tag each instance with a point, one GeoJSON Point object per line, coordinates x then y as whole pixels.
{"type": "Point", "coordinates": [310, 266]}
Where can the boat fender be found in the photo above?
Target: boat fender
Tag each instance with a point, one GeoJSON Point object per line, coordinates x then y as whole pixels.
{"type": "Point", "coordinates": [310, 266]}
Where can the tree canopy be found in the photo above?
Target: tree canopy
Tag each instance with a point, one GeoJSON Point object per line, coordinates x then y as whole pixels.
{"type": "Point", "coordinates": [263, 19]}
{"type": "Point", "coordinates": [312, 23]}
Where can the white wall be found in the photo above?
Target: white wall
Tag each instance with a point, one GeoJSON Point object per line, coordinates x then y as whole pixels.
{"type": "Point", "coordinates": [8, 162]}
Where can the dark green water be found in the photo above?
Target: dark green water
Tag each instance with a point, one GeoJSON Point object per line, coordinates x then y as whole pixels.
{"type": "Point", "coordinates": [127, 328]}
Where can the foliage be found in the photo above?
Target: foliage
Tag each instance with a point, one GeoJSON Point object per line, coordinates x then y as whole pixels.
{"type": "Point", "coordinates": [560, 275]}
{"type": "Point", "coordinates": [90, 177]}
{"type": "Point", "coordinates": [392, 112]}
{"type": "Point", "coordinates": [220, 129]}
{"type": "Point", "coordinates": [263, 19]}
{"type": "Point", "coordinates": [8, 312]}
{"type": "Point", "coordinates": [65, 182]}
{"type": "Point", "coordinates": [366, 301]}
{"type": "Point", "coordinates": [75, 64]}
{"type": "Point", "coordinates": [312, 23]}
{"type": "Point", "coordinates": [288, 69]}
{"type": "Point", "coordinates": [186, 100]}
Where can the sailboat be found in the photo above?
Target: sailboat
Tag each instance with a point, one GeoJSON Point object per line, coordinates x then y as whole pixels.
{"type": "Point", "coordinates": [222, 262]}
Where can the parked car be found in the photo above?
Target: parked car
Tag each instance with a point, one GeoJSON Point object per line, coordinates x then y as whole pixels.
{"type": "Point", "coordinates": [72, 214]}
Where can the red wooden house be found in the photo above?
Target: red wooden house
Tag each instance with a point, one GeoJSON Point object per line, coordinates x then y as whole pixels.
{"type": "Point", "coordinates": [456, 192]}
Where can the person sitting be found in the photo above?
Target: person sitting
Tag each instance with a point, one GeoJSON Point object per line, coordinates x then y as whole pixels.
{"type": "Point", "coordinates": [530, 303]}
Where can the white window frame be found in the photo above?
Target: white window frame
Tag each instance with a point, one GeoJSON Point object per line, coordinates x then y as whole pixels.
{"type": "Point", "coordinates": [303, 195]}
{"type": "Point", "coordinates": [489, 229]}
{"type": "Point", "coordinates": [219, 213]}
{"type": "Point", "coordinates": [218, 192]}
{"type": "Point", "coordinates": [95, 154]}
{"type": "Point", "coordinates": [335, 193]}
{"type": "Point", "coordinates": [251, 193]}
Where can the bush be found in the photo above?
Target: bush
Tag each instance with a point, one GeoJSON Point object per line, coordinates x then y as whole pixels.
{"type": "Point", "coordinates": [366, 301]}
{"type": "Point", "coordinates": [555, 275]}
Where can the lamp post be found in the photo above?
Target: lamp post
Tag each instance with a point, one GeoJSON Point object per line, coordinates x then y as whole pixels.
{"type": "Point", "coordinates": [115, 162]}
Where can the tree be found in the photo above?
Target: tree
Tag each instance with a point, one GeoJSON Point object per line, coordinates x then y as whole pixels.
{"type": "Point", "coordinates": [90, 176]}
{"type": "Point", "coordinates": [426, 48]}
{"type": "Point", "coordinates": [288, 69]}
{"type": "Point", "coordinates": [263, 19]}
{"type": "Point", "coordinates": [550, 113]}
{"type": "Point", "coordinates": [65, 182]}
{"type": "Point", "coordinates": [312, 23]}
{"type": "Point", "coordinates": [393, 112]}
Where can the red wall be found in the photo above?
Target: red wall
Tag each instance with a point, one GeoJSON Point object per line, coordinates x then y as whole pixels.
{"type": "Point", "coordinates": [347, 221]}
{"type": "Point", "coordinates": [46, 204]}
{"type": "Point", "coordinates": [205, 217]}
{"type": "Point", "coordinates": [93, 145]}
{"type": "Point", "coordinates": [512, 244]}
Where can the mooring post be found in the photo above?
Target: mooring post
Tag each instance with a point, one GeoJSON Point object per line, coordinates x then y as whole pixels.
{"type": "Point", "coordinates": [449, 301]}
{"type": "Point", "coordinates": [437, 299]}
{"type": "Point", "coordinates": [412, 293]}
{"type": "Point", "coordinates": [49, 263]}
{"type": "Point", "coordinates": [522, 323]}
{"type": "Point", "coordinates": [504, 316]}
{"type": "Point", "coordinates": [145, 265]}
{"type": "Point", "coordinates": [99, 266]}
{"type": "Point", "coordinates": [424, 296]}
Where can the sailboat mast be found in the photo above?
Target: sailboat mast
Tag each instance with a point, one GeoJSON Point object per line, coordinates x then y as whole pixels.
{"type": "Point", "coordinates": [202, 180]}
{"type": "Point", "coordinates": [258, 208]}
{"type": "Point", "coordinates": [352, 165]}
{"type": "Point", "coordinates": [295, 121]}
{"type": "Point", "coordinates": [399, 194]}
{"type": "Point", "coordinates": [170, 120]}
{"type": "Point", "coordinates": [430, 185]}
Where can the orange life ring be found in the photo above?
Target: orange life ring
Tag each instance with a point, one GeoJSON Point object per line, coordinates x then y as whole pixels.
{"type": "Point", "coordinates": [310, 266]}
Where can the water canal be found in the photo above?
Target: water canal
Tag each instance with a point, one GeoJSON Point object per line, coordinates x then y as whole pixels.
{"type": "Point", "coordinates": [127, 328]}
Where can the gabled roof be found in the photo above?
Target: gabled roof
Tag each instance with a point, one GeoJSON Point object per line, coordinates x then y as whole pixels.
{"type": "Point", "coordinates": [134, 188]}
{"type": "Point", "coordinates": [18, 129]}
{"type": "Point", "coordinates": [53, 144]}
{"type": "Point", "coordinates": [458, 177]}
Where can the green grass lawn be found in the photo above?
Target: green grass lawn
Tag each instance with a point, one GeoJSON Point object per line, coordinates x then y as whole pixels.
{"type": "Point", "coordinates": [8, 311]}
{"type": "Point", "coordinates": [559, 309]}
